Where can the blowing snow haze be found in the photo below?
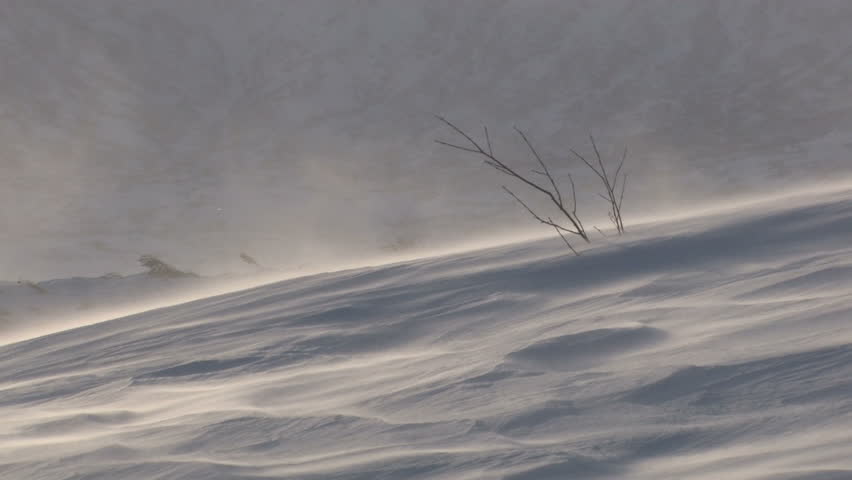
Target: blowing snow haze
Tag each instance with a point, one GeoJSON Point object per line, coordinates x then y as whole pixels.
{"type": "Point", "coordinates": [301, 131]}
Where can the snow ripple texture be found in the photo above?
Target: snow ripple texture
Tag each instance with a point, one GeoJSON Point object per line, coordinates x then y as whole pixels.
{"type": "Point", "coordinates": [696, 349]}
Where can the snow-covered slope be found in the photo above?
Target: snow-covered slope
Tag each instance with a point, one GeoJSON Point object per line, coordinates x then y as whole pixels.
{"type": "Point", "coordinates": [32, 309]}
{"type": "Point", "coordinates": [173, 126]}
{"type": "Point", "coordinates": [711, 347]}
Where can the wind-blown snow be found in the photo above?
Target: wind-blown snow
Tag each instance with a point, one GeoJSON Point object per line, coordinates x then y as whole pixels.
{"type": "Point", "coordinates": [197, 129]}
{"type": "Point", "coordinates": [704, 346]}
{"type": "Point", "coordinates": [710, 347]}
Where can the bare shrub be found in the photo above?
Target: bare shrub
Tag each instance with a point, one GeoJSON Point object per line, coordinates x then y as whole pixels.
{"type": "Point", "coordinates": [614, 182]}
{"type": "Point", "coordinates": [548, 188]}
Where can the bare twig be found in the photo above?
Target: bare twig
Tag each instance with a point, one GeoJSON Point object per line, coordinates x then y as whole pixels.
{"type": "Point", "coordinates": [621, 164]}
{"type": "Point", "coordinates": [562, 236]}
{"type": "Point", "coordinates": [549, 220]}
{"type": "Point", "coordinates": [546, 172]}
{"type": "Point", "coordinates": [613, 195]}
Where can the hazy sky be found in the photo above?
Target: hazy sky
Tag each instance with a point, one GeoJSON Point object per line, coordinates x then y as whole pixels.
{"type": "Point", "coordinates": [196, 129]}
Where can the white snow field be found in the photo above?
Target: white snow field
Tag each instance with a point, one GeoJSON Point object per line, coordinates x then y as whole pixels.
{"type": "Point", "coordinates": [713, 346]}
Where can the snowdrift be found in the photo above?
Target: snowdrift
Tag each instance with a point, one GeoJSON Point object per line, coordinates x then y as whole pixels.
{"type": "Point", "coordinates": [705, 348]}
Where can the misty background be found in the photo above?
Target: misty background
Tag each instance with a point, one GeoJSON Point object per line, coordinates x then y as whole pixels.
{"type": "Point", "coordinates": [303, 132]}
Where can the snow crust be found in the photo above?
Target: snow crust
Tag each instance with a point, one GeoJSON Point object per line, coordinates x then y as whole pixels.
{"type": "Point", "coordinates": [717, 346]}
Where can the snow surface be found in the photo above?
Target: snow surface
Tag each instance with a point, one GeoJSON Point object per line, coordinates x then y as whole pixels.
{"type": "Point", "coordinates": [713, 346]}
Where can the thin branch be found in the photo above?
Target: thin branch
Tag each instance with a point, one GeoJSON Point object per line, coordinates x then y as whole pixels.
{"type": "Point", "coordinates": [541, 162]}
{"type": "Point", "coordinates": [499, 167]}
{"type": "Point", "coordinates": [566, 241]}
{"type": "Point", "coordinates": [587, 163]}
{"type": "Point", "coordinates": [573, 193]}
{"type": "Point", "coordinates": [574, 204]}
{"type": "Point", "coordinates": [573, 196]}
{"type": "Point", "coordinates": [488, 141]}
{"type": "Point", "coordinates": [457, 147]}
{"type": "Point", "coordinates": [492, 160]}
{"type": "Point", "coordinates": [460, 132]}
{"type": "Point", "coordinates": [600, 161]}
{"type": "Point", "coordinates": [549, 221]}
{"type": "Point", "coordinates": [618, 170]}
{"type": "Point", "coordinates": [620, 200]}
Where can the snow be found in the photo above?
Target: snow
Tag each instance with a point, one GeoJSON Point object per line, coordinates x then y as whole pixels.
{"type": "Point", "coordinates": [713, 345]}
{"type": "Point", "coordinates": [39, 308]}
{"type": "Point", "coordinates": [405, 320]}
